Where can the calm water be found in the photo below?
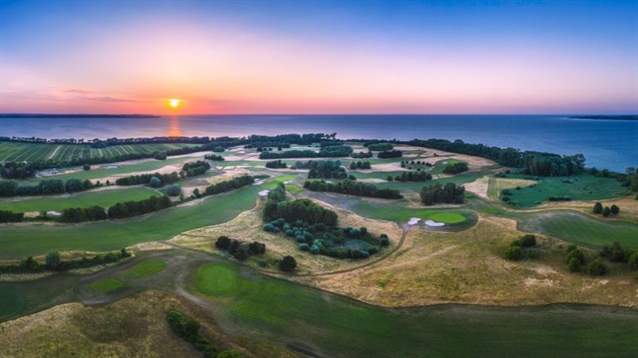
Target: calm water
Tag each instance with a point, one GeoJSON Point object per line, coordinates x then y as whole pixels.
{"type": "Point", "coordinates": [605, 143]}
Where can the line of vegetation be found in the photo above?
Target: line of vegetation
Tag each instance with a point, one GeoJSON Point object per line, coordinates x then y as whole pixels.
{"type": "Point", "coordinates": [438, 194]}
{"type": "Point", "coordinates": [188, 329]}
{"type": "Point", "coordinates": [10, 187]}
{"type": "Point", "coordinates": [419, 176]}
{"type": "Point", "coordinates": [606, 211]}
{"type": "Point", "coordinates": [238, 249]}
{"type": "Point", "coordinates": [155, 180]}
{"type": "Point", "coordinates": [328, 169]}
{"type": "Point", "coordinates": [276, 164]}
{"type": "Point", "coordinates": [353, 188]}
{"type": "Point", "coordinates": [214, 157]}
{"type": "Point", "coordinates": [455, 168]}
{"type": "Point", "coordinates": [7, 216]}
{"type": "Point", "coordinates": [378, 146]}
{"type": "Point", "coordinates": [387, 154]}
{"type": "Point", "coordinates": [325, 152]}
{"type": "Point", "coordinates": [362, 155]}
{"type": "Point", "coordinates": [360, 165]}
{"type": "Point", "coordinates": [53, 262]}
{"type": "Point", "coordinates": [516, 250]}
{"type": "Point", "coordinates": [192, 169]}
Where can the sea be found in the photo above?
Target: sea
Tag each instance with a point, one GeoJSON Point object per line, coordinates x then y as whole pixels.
{"type": "Point", "coordinates": [611, 144]}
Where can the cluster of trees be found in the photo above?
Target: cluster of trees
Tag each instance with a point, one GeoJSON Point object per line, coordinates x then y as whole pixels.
{"type": "Point", "coordinates": [7, 216]}
{"type": "Point", "coordinates": [288, 264]}
{"type": "Point", "coordinates": [239, 249]}
{"type": "Point", "coordinates": [407, 163]}
{"type": "Point", "coordinates": [353, 188]}
{"type": "Point", "coordinates": [173, 190]}
{"type": "Point", "coordinates": [188, 328]}
{"type": "Point", "coordinates": [437, 194]}
{"type": "Point", "coordinates": [411, 176]}
{"type": "Point", "coordinates": [575, 259]}
{"type": "Point", "coordinates": [360, 165]}
{"type": "Point", "coordinates": [616, 253]}
{"type": "Point", "coordinates": [516, 250]}
{"type": "Point", "coordinates": [16, 170]}
{"type": "Point", "coordinates": [155, 180]}
{"type": "Point", "coordinates": [214, 157]}
{"type": "Point", "coordinates": [324, 152]}
{"type": "Point", "coordinates": [606, 211]}
{"type": "Point", "coordinates": [276, 164]}
{"type": "Point", "coordinates": [76, 185]}
{"type": "Point", "coordinates": [229, 185]}
{"type": "Point", "coordinates": [54, 262]}
{"type": "Point", "coordinates": [390, 154]}
{"type": "Point", "coordinates": [329, 169]}
{"type": "Point", "coordinates": [362, 155]}
{"type": "Point", "coordinates": [45, 187]}
{"type": "Point", "coordinates": [76, 215]}
{"type": "Point", "coordinates": [455, 168]}
{"type": "Point", "coordinates": [378, 146]}
{"type": "Point", "coordinates": [192, 169]}
{"type": "Point", "coordinates": [301, 209]}
{"type": "Point", "coordinates": [135, 208]}
{"type": "Point", "coordinates": [534, 163]}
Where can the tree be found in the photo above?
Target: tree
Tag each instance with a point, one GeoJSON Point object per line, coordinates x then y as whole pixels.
{"type": "Point", "coordinates": [222, 243]}
{"type": "Point", "coordinates": [597, 267]}
{"type": "Point", "coordinates": [606, 211]}
{"type": "Point", "coordinates": [174, 190]}
{"type": "Point", "coordinates": [576, 254]}
{"type": "Point", "coordinates": [288, 264]}
{"type": "Point", "coordinates": [53, 259]}
{"type": "Point", "coordinates": [155, 182]}
{"type": "Point", "coordinates": [573, 265]}
{"type": "Point", "coordinates": [615, 209]}
{"type": "Point", "coordinates": [598, 208]}
{"type": "Point", "coordinates": [528, 241]}
{"type": "Point", "coordinates": [633, 260]}
{"type": "Point", "coordinates": [86, 167]}
{"type": "Point", "coordinates": [513, 253]}
{"type": "Point", "coordinates": [242, 253]}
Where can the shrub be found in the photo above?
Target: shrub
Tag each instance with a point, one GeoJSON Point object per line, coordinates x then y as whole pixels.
{"type": "Point", "coordinates": [513, 253]}
{"type": "Point", "coordinates": [269, 228]}
{"type": "Point", "coordinates": [597, 267]}
{"type": "Point", "coordinates": [571, 247]}
{"type": "Point", "coordinates": [576, 254]}
{"type": "Point", "coordinates": [242, 253]}
{"type": "Point", "coordinates": [606, 211]}
{"type": "Point", "coordinates": [53, 259]}
{"type": "Point", "coordinates": [86, 167]}
{"type": "Point", "coordinates": [614, 209]}
{"type": "Point", "coordinates": [573, 265]}
{"type": "Point", "coordinates": [304, 247]}
{"type": "Point", "coordinates": [155, 182]}
{"type": "Point", "coordinates": [229, 354]}
{"type": "Point", "coordinates": [528, 241]}
{"type": "Point", "coordinates": [315, 250]}
{"type": "Point", "coordinates": [288, 264]}
{"type": "Point", "coordinates": [174, 190]}
{"type": "Point", "coordinates": [384, 241]}
{"type": "Point", "coordinates": [598, 208]}
{"type": "Point", "coordinates": [222, 243]}
{"type": "Point", "coordinates": [633, 260]}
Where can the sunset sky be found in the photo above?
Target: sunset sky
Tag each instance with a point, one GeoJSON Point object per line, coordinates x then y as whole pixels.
{"type": "Point", "coordinates": [435, 57]}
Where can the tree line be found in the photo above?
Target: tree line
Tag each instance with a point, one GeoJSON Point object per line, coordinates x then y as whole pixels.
{"type": "Point", "coordinates": [378, 146]}
{"type": "Point", "coordinates": [353, 188]}
{"type": "Point", "coordinates": [390, 154]}
{"type": "Point", "coordinates": [276, 164]}
{"type": "Point", "coordinates": [214, 157]}
{"type": "Point", "coordinates": [360, 165]}
{"type": "Point", "coordinates": [195, 168]}
{"type": "Point", "coordinates": [238, 249]}
{"type": "Point", "coordinates": [188, 329]}
{"type": "Point", "coordinates": [455, 168]}
{"type": "Point", "coordinates": [438, 194]}
{"type": "Point", "coordinates": [411, 176]}
{"type": "Point", "coordinates": [325, 152]}
{"type": "Point", "coordinates": [54, 262]}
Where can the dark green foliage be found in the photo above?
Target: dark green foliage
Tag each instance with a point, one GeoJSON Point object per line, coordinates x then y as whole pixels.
{"type": "Point", "coordinates": [288, 264]}
{"type": "Point", "coordinates": [159, 155]}
{"type": "Point", "coordinates": [7, 216]}
{"type": "Point", "coordinates": [513, 253]}
{"type": "Point", "coordinates": [242, 253]}
{"type": "Point", "coordinates": [195, 168]}
{"type": "Point", "coordinates": [615, 253]}
{"type": "Point", "coordinates": [215, 157]}
{"type": "Point", "coordinates": [390, 178]}
{"type": "Point", "coordinates": [353, 188]}
{"type": "Point", "coordinates": [304, 210]}
{"type": "Point", "coordinates": [229, 185]}
{"type": "Point", "coordinates": [174, 190]}
{"type": "Point", "coordinates": [598, 208]}
{"type": "Point", "coordinates": [576, 254]}
{"type": "Point", "coordinates": [257, 248]}
{"type": "Point", "coordinates": [633, 260]}
{"type": "Point", "coordinates": [44, 187]}
{"type": "Point", "coordinates": [614, 209]}
{"type": "Point", "coordinates": [86, 167]}
{"type": "Point", "coordinates": [188, 328]}
{"type": "Point", "coordinates": [148, 179]}
{"type": "Point", "coordinates": [77, 215]}
{"type": "Point", "coordinates": [276, 164]}
{"type": "Point", "coordinates": [8, 187]}
{"type": "Point", "coordinates": [231, 353]}
{"type": "Point", "coordinates": [455, 168]}
{"type": "Point", "coordinates": [528, 240]}
{"type": "Point", "coordinates": [134, 208]}
{"type": "Point", "coordinates": [53, 259]}
{"type": "Point", "coordinates": [435, 194]}
{"type": "Point", "coordinates": [384, 240]}
{"type": "Point", "coordinates": [222, 243]}
{"type": "Point", "coordinates": [17, 170]}
{"type": "Point", "coordinates": [390, 154]}
{"type": "Point", "coordinates": [571, 247]}
{"type": "Point", "coordinates": [412, 176]}
{"type": "Point", "coordinates": [597, 267]}
{"type": "Point", "coordinates": [362, 155]}
{"type": "Point", "coordinates": [573, 265]}
{"type": "Point", "coordinates": [379, 146]}
{"type": "Point", "coordinates": [328, 169]}
{"type": "Point", "coordinates": [606, 211]}
{"type": "Point", "coordinates": [54, 262]}
{"type": "Point", "coordinates": [75, 185]}
{"type": "Point", "coordinates": [324, 152]}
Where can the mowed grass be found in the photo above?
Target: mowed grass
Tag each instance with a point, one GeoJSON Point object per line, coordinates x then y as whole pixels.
{"type": "Point", "coordinates": [401, 214]}
{"type": "Point", "coordinates": [108, 285]}
{"type": "Point", "coordinates": [582, 230]}
{"type": "Point", "coordinates": [340, 327]}
{"type": "Point", "coordinates": [104, 198]}
{"type": "Point", "coordinates": [18, 241]}
{"type": "Point", "coordinates": [145, 269]}
{"type": "Point", "coordinates": [578, 187]}
{"type": "Point", "coordinates": [16, 151]}
{"type": "Point", "coordinates": [448, 217]}
{"type": "Point", "coordinates": [10, 302]}
{"type": "Point", "coordinates": [216, 280]}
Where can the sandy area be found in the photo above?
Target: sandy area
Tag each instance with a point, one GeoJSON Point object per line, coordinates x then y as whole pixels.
{"type": "Point", "coordinates": [433, 223]}
{"type": "Point", "coordinates": [413, 221]}
{"type": "Point", "coordinates": [479, 187]}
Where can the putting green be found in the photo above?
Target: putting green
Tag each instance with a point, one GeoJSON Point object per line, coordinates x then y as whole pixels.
{"type": "Point", "coordinates": [147, 268]}
{"type": "Point", "coordinates": [447, 218]}
{"type": "Point", "coordinates": [108, 285]}
{"type": "Point", "coordinates": [215, 280]}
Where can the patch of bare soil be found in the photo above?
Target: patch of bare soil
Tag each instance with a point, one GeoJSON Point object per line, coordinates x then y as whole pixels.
{"type": "Point", "coordinates": [479, 187]}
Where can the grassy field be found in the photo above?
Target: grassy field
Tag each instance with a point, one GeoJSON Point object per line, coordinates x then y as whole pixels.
{"type": "Point", "coordinates": [18, 241]}
{"type": "Point", "coordinates": [346, 328]}
{"type": "Point", "coordinates": [401, 214]}
{"type": "Point", "coordinates": [145, 269]}
{"type": "Point", "coordinates": [578, 187]}
{"type": "Point", "coordinates": [104, 198]}
{"type": "Point", "coordinates": [416, 186]}
{"type": "Point", "coordinates": [15, 151]}
{"type": "Point", "coordinates": [108, 285]}
{"type": "Point", "coordinates": [581, 230]}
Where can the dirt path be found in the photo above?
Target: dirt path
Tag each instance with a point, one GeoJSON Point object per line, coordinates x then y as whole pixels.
{"type": "Point", "coordinates": [54, 152]}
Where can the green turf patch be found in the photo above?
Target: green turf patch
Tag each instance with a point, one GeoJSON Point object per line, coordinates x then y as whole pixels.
{"type": "Point", "coordinates": [10, 302]}
{"type": "Point", "coordinates": [216, 280]}
{"type": "Point", "coordinates": [447, 217]}
{"type": "Point", "coordinates": [108, 285]}
{"type": "Point", "coordinates": [145, 269]}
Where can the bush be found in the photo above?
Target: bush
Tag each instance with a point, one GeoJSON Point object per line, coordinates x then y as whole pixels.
{"type": "Point", "coordinates": [597, 267]}
{"type": "Point", "coordinates": [576, 254]}
{"type": "Point", "coordinates": [513, 253]}
{"type": "Point", "coordinates": [384, 241]}
{"type": "Point", "coordinates": [288, 264]}
{"type": "Point", "coordinates": [53, 259]}
{"type": "Point", "coordinates": [528, 241]}
{"type": "Point", "coordinates": [304, 247]}
{"type": "Point", "coordinates": [222, 243]}
{"type": "Point", "coordinates": [606, 211]}
{"type": "Point", "coordinates": [269, 228]}
{"type": "Point", "coordinates": [598, 208]}
{"type": "Point", "coordinates": [633, 260]}
{"type": "Point", "coordinates": [571, 247]}
{"type": "Point", "coordinates": [614, 209]}
{"type": "Point", "coordinates": [573, 265]}
{"type": "Point", "coordinates": [155, 182]}
{"type": "Point", "coordinates": [86, 167]}
{"type": "Point", "coordinates": [174, 190]}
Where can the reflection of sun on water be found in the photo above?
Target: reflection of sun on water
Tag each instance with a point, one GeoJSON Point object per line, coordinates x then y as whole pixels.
{"type": "Point", "coordinates": [174, 130]}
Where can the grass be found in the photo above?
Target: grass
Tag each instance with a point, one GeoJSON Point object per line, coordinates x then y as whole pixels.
{"type": "Point", "coordinates": [284, 311]}
{"type": "Point", "coordinates": [578, 187]}
{"type": "Point", "coordinates": [145, 269]}
{"type": "Point", "coordinates": [401, 214]}
{"type": "Point", "coordinates": [448, 217]}
{"type": "Point", "coordinates": [10, 302]}
{"type": "Point", "coordinates": [582, 230]}
{"type": "Point", "coordinates": [216, 280]}
{"type": "Point", "coordinates": [18, 241]}
{"type": "Point", "coordinates": [108, 285]}
{"type": "Point", "coordinates": [104, 198]}
{"type": "Point", "coordinates": [416, 186]}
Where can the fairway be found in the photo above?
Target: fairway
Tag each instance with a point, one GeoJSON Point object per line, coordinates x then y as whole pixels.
{"type": "Point", "coordinates": [145, 269]}
{"type": "Point", "coordinates": [447, 217]}
{"type": "Point", "coordinates": [108, 285]}
{"type": "Point", "coordinates": [10, 302]}
{"type": "Point", "coordinates": [215, 280]}
{"type": "Point", "coordinates": [342, 327]}
{"type": "Point", "coordinates": [582, 230]}
{"type": "Point", "coordinates": [113, 235]}
{"type": "Point", "coordinates": [103, 198]}
{"type": "Point", "coordinates": [401, 214]}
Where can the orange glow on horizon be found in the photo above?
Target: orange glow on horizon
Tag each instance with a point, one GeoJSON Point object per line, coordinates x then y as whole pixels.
{"type": "Point", "coordinates": [173, 102]}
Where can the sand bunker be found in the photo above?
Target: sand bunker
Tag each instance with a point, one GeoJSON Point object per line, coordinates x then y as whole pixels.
{"type": "Point", "coordinates": [433, 223]}
{"type": "Point", "coordinates": [258, 182]}
{"type": "Point", "coordinates": [110, 167]}
{"type": "Point", "coordinates": [413, 221]}
{"type": "Point", "coordinates": [288, 182]}
{"type": "Point", "coordinates": [264, 192]}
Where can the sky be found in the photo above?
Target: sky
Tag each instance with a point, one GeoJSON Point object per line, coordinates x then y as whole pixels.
{"type": "Point", "coordinates": [319, 57]}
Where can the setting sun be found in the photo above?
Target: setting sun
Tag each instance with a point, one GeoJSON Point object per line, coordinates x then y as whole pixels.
{"type": "Point", "coordinates": [174, 103]}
